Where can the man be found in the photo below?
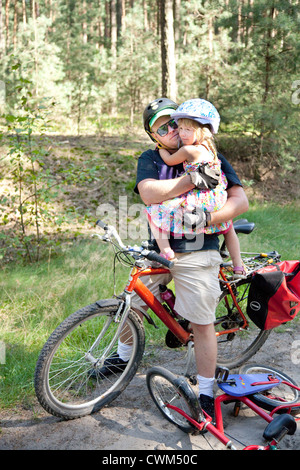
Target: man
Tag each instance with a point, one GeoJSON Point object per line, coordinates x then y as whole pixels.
{"type": "Point", "coordinates": [196, 272]}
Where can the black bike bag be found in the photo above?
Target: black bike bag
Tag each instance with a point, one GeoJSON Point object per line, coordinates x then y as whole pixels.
{"type": "Point", "coordinates": [274, 294]}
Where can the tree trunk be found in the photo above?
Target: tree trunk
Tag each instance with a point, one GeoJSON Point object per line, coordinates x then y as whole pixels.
{"type": "Point", "coordinates": [34, 10]}
{"type": "Point", "coordinates": [24, 13]}
{"type": "Point", "coordinates": [7, 25]}
{"type": "Point", "coordinates": [210, 67]}
{"type": "Point", "coordinates": [240, 22]}
{"type": "Point", "coordinates": [168, 62]}
{"type": "Point", "coordinates": [15, 25]}
{"type": "Point", "coordinates": [100, 39]}
{"type": "Point", "coordinates": [145, 15]}
{"type": "Point", "coordinates": [177, 35]}
{"type": "Point", "coordinates": [107, 23]}
{"type": "Point", "coordinates": [268, 55]}
{"type": "Point", "coordinates": [123, 16]}
{"type": "Point", "coordinates": [114, 55]}
{"type": "Point", "coordinates": [2, 42]}
{"type": "Point", "coordinates": [84, 23]}
{"type": "Point", "coordinates": [267, 76]}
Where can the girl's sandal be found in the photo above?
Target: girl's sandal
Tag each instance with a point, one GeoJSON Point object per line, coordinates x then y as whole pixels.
{"type": "Point", "coordinates": [239, 272]}
{"type": "Point", "coordinates": [170, 256]}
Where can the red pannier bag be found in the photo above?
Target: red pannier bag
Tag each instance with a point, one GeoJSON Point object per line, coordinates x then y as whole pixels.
{"type": "Point", "coordinates": [274, 294]}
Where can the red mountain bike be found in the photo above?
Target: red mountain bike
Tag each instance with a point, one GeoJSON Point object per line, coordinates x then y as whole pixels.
{"type": "Point", "coordinates": [65, 381]}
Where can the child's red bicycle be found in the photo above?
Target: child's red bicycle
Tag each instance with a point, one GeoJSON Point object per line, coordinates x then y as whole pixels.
{"type": "Point", "coordinates": [67, 382]}
{"type": "Point", "coordinates": [257, 387]}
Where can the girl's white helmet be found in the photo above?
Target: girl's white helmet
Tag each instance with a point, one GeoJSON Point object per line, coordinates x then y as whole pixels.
{"type": "Point", "coordinates": [199, 110]}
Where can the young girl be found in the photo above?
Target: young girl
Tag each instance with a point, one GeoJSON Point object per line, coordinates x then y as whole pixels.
{"type": "Point", "coordinates": [197, 119]}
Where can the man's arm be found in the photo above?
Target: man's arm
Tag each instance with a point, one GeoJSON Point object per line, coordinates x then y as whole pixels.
{"type": "Point", "coordinates": [154, 191]}
{"type": "Point", "coordinates": [237, 204]}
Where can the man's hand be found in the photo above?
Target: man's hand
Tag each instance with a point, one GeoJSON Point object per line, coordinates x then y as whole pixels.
{"type": "Point", "coordinates": [205, 177]}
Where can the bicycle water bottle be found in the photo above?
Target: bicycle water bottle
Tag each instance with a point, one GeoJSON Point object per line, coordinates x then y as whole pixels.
{"type": "Point", "coordinates": [169, 298]}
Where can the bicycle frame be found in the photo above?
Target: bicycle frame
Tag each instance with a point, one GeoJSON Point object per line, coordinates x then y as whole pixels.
{"type": "Point", "coordinates": [136, 285]}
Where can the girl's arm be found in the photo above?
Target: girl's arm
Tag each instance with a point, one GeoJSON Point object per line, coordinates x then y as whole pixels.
{"type": "Point", "coordinates": [191, 153]}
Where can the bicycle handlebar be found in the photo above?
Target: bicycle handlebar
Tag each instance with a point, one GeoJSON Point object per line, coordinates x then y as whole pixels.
{"type": "Point", "coordinates": [102, 224]}
{"type": "Point", "coordinates": [151, 255]}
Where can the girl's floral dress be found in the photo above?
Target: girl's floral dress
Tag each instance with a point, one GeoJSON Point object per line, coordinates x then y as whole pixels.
{"type": "Point", "coordinates": [169, 215]}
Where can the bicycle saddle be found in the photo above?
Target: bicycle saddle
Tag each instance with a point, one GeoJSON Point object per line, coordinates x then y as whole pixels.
{"type": "Point", "coordinates": [281, 425]}
{"type": "Point", "coordinates": [239, 385]}
{"type": "Point", "coordinates": [243, 226]}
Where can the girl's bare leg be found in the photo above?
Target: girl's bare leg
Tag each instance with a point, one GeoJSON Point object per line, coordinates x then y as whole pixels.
{"type": "Point", "coordinates": [162, 239]}
{"type": "Point", "coordinates": [233, 245]}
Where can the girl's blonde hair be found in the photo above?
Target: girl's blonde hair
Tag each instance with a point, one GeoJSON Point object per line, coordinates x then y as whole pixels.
{"type": "Point", "coordinates": [203, 134]}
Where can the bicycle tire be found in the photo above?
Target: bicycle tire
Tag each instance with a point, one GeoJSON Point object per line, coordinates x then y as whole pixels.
{"type": "Point", "coordinates": [166, 387]}
{"type": "Point", "coordinates": [279, 395]}
{"type": "Point", "coordinates": [63, 376]}
{"type": "Point", "coordinates": [237, 348]}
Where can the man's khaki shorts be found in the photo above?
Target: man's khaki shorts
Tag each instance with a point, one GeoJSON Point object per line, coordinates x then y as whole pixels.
{"type": "Point", "coordinates": [196, 284]}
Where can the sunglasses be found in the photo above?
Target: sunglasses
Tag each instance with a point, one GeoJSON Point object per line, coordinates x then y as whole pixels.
{"type": "Point", "coordinates": [163, 130]}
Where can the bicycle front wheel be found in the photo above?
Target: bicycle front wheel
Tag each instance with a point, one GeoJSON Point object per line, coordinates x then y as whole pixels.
{"type": "Point", "coordinates": [235, 348]}
{"type": "Point", "coordinates": [277, 396]}
{"type": "Point", "coordinates": [66, 381]}
{"type": "Point", "coordinates": [166, 389]}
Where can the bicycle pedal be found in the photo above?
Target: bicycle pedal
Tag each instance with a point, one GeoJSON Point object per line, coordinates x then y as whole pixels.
{"type": "Point", "coordinates": [192, 379]}
{"type": "Point", "coordinates": [221, 374]}
{"type": "Point", "coordinates": [171, 340]}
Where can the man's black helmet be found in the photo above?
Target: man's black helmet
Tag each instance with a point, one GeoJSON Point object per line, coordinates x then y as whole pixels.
{"type": "Point", "coordinates": [157, 108]}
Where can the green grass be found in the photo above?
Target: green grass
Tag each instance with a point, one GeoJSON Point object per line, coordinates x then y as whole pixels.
{"type": "Point", "coordinates": [276, 228]}
{"type": "Point", "coordinates": [36, 298]}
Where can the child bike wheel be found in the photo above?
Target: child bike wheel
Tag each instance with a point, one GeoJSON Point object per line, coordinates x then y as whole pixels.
{"type": "Point", "coordinates": [279, 395]}
{"type": "Point", "coordinates": [166, 388]}
{"type": "Point", "coordinates": [68, 383]}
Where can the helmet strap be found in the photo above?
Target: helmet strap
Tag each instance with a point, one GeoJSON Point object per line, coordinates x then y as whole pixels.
{"type": "Point", "coordinates": [159, 145]}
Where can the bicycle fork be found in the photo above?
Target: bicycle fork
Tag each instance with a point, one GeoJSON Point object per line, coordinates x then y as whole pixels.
{"type": "Point", "coordinates": [120, 317]}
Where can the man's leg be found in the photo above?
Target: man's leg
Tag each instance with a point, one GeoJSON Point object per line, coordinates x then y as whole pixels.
{"type": "Point", "coordinates": [205, 347]}
{"type": "Point", "coordinates": [197, 290]}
